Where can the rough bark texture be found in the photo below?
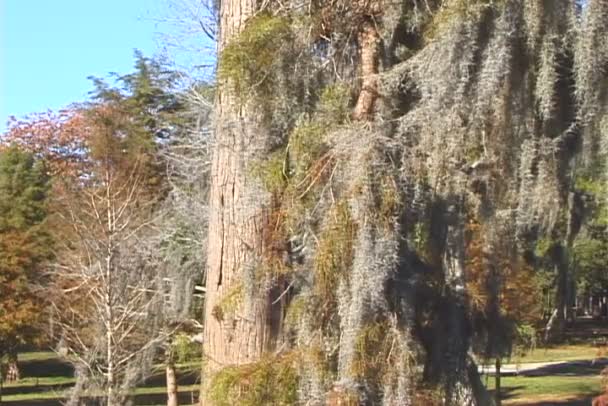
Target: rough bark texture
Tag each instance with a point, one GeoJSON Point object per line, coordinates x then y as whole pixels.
{"type": "Point", "coordinates": [237, 205]}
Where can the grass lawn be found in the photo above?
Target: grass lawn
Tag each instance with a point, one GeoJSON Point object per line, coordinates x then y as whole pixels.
{"type": "Point", "coordinates": [522, 389]}
{"type": "Point", "coordinates": [59, 394]}
{"type": "Point", "coordinates": [558, 353]}
{"type": "Point", "coordinates": [37, 356]}
{"type": "Point", "coordinates": [46, 380]}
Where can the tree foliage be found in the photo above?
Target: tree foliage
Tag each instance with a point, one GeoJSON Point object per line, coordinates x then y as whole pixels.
{"type": "Point", "coordinates": [25, 247]}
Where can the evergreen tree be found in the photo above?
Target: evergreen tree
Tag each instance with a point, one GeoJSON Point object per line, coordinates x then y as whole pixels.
{"type": "Point", "coordinates": [25, 246]}
{"type": "Point", "coordinates": [148, 111]}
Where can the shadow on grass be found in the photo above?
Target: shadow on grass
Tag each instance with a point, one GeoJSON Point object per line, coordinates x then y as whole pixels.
{"type": "Point", "coordinates": [45, 368]}
{"type": "Point", "coordinates": [32, 402]}
{"type": "Point", "coordinates": [510, 393]}
{"type": "Point", "coordinates": [584, 401]}
{"type": "Point", "coordinates": [507, 393]}
{"type": "Point", "coordinates": [570, 368]}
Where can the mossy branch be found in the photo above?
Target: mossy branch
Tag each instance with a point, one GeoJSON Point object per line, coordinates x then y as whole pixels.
{"type": "Point", "coordinates": [273, 380]}
{"type": "Point", "coordinates": [247, 61]}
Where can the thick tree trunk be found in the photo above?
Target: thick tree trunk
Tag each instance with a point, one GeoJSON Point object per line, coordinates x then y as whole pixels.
{"type": "Point", "coordinates": [238, 206]}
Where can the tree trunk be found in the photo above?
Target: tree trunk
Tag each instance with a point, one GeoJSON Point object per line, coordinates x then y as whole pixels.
{"type": "Point", "coordinates": [557, 322]}
{"type": "Point", "coordinates": [497, 395]}
{"type": "Point", "coordinates": [172, 399]}
{"type": "Point", "coordinates": [458, 388]}
{"type": "Point", "coordinates": [12, 368]}
{"type": "Point", "coordinates": [369, 47]}
{"type": "Point", "coordinates": [238, 206]}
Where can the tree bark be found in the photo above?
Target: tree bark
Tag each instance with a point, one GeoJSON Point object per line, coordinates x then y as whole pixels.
{"type": "Point", "coordinates": [172, 399]}
{"type": "Point", "coordinates": [369, 47]}
{"type": "Point", "coordinates": [238, 206]}
{"type": "Point", "coordinates": [497, 396]}
{"type": "Point", "coordinates": [12, 368]}
{"type": "Point", "coordinates": [458, 388]}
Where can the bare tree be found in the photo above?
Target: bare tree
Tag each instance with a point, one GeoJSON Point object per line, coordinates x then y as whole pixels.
{"type": "Point", "coordinates": [108, 289]}
{"type": "Point", "coordinates": [183, 234]}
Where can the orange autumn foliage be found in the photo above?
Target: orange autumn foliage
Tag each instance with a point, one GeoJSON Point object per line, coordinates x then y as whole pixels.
{"type": "Point", "coordinates": [57, 138]}
{"type": "Point", "coordinates": [503, 272]}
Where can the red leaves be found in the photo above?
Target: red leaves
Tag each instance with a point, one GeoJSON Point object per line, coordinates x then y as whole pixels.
{"type": "Point", "coordinates": [58, 138]}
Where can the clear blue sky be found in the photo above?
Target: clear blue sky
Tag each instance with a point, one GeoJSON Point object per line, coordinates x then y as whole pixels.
{"type": "Point", "coordinates": [49, 47]}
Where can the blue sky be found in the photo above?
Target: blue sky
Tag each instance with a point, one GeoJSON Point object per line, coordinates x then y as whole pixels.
{"type": "Point", "coordinates": [49, 47]}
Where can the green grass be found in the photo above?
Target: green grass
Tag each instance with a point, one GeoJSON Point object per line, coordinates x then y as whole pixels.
{"type": "Point", "coordinates": [33, 396]}
{"type": "Point", "coordinates": [55, 387]}
{"type": "Point", "coordinates": [42, 381]}
{"type": "Point", "coordinates": [560, 353]}
{"type": "Point", "coordinates": [520, 388]}
{"type": "Point", "coordinates": [51, 394]}
{"type": "Point", "coordinates": [37, 356]}
{"type": "Point", "coordinates": [162, 389]}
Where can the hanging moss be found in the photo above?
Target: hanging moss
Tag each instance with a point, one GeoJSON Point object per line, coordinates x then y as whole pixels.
{"type": "Point", "coordinates": [343, 397]}
{"type": "Point", "coordinates": [378, 356]}
{"type": "Point", "coordinates": [474, 152]}
{"type": "Point", "coordinates": [310, 166]}
{"type": "Point", "coordinates": [428, 396]}
{"type": "Point", "coordinates": [229, 302]}
{"type": "Point", "coordinates": [306, 146]}
{"type": "Point", "coordinates": [543, 246]}
{"type": "Point", "coordinates": [372, 351]}
{"type": "Point", "coordinates": [272, 266]}
{"type": "Point", "coordinates": [334, 104]}
{"type": "Point", "coordinates": [389, 202]}
{"type": "Point", "coordinates": [335, 251]}
{"type": "Point", "coordinates": [184, 349]}
{"type": "Point", "coordinates": [458, 10]}
{"type": "Point", "coordinates": [587, 184]}
{"type": "Point", "coordinates": [247, 61]}
{"type": "Point", "coordinates": [271, 171]}
{"type": "Point", "coordinates": [422, 238]}
{"type": "Point", "coordinates": [296, 311]}
{"type": "Point", "coordinates": [270, 381]}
